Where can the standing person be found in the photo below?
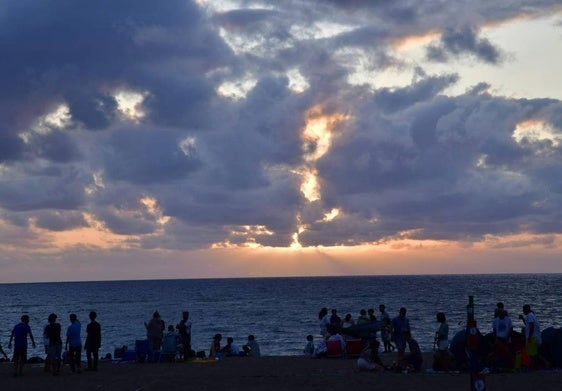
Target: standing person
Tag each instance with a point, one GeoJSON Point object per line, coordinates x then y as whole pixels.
{"type": "Point", "coordinates": [532, 334]}
{"type": "Point", "coordinates": [184, 329]}
{"type": "Point", "coordinates": [4, 353]}
{"type": "Point", "coordinates": [54, 349]}
{"type": "Point", "coordinates": [441, 361]}
{"type": "Point", "coordinates": [47, 367]}
{"type": "Point", "coordinates": [19, 335]}
{"type": "Point", "coordinates": [74, 343]}
{"type": "Point", "coordinates": [324, 319]}
{"type": "Point", "coordinates": [385, 332]}
{"type": "Point", "coordinates": [363, 318]}
{"type": "Point", "coordinates": [335, 320]}
{"type": "Point", "coordinates": [400, 329]}
{"type": "Point", "coordinates": [371, 315]}
{"type": "Point", "coordinates": [155, 332]}
{"type": "Point", "coordinates": [93, 342]}
{"type": "Point", "coordinates": [384, 314]}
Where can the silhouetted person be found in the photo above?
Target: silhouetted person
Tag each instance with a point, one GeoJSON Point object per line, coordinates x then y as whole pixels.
{"type": "Point", "coordinates": [19, 335]}
{"type": "Point", "coordinates": [93, 342]}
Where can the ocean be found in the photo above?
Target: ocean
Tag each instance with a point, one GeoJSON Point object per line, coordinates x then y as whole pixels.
{"type": "Point", "coordinates": [280, 312]}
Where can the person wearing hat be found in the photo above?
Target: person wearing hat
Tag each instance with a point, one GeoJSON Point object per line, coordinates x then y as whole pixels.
{"type": "Point", "coordinates": [52, 333]}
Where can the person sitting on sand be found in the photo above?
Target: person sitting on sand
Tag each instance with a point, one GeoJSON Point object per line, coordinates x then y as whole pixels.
{"type": "Point", "coordinates": [348, 321]}
{"type": "Point", "coordinates": [414, 359]}
{"type": "Point", "coordinates": [338, 337]}
{"type": "Point", "coordinates": [170, 344]}
{"type": "Point", "coordinates": [309, 347]}
{"type": "Point", "coordinates": [230, 349]}
{"type": "Point", "coordinates": [369, 359]}
{"type": "Point", "coordinates": [252, 347]}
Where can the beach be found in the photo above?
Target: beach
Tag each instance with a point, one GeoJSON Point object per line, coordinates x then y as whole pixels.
{"type": "Point", "coordinates": [264, 373]}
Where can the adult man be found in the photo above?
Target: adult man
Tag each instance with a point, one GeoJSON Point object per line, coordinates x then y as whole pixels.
{"type": "Point", "coordinates": [154, 333]}
{"type": "Point", "coordinates": [74, 343]}
{"type": "Point", "coordinates": [19, 335]}
{"type": "Point", "coordinates": [400, 330]}
{"type": "Point", "coordinates": [93, 342]}
{"type": "Point", "coordinates": [184, 329]}
{"type": "Point", "coordinates": [52, 334]}
{"type": "Point", "coordinates": [532, 334]}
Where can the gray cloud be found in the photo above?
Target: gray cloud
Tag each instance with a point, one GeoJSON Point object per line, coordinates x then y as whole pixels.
{"type": "Point", "coordinates": [406, 158]}
{"type": "Point", "coordinates": [455, 42]}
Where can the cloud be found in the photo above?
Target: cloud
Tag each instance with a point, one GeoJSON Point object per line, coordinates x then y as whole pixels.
{"type": "Point", "coordinates": [455, 42]}
{"type": "Point", "coordinates": [201, 165]}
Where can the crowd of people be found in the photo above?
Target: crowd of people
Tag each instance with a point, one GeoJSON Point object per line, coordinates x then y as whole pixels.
{"type": "Point", "coordinates": [506, 348]}
{"type": "Point", "coordinates": [53, 342]}
{"type": "Point", "coordinates": [502, 351]}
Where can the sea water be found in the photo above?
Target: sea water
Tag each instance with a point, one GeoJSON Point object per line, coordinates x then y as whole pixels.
{"type": "Point", "coordinates": [280, 312]}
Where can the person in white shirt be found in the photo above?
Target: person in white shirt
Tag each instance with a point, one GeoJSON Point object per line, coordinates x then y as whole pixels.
{"type": "Point", "coordinates": [532, 334]}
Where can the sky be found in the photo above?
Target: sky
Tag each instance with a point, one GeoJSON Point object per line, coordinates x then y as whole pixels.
{"type": "Point", "coordinates": [245, 138]}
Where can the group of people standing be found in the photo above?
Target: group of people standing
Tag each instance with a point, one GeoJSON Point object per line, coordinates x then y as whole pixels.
{"type": "Point", "coordinates": [54, 344]}
{"type": "Point", "coordinates": [170, 343]}
{"type": "Point", "coordinates": [395, 334]}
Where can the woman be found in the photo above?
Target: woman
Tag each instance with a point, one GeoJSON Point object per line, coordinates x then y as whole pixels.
{"type": "Point", "coordinates": [441, 362]}
{"type": "Point", "coordinates": [324, 321]}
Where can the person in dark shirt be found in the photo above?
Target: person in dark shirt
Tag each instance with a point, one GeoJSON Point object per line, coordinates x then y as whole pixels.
{"type": "Point", "coordinates": [19, 335]}
{"type": "Point", "coordinates": [52, 333]}
{"type": "Point", "coordinates": [93, 342]}
{"type": "Point", "coordinates": [414, 357]}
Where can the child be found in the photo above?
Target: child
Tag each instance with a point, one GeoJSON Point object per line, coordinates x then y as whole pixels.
{"type": "Point", "coordinates": [309, 347]}
{"type": "Point", "coordinates": [4, 353]}
{"type": "Point", "coordinates": [385, 335]}
{"type": "Point", "coordinates": [170, 344]}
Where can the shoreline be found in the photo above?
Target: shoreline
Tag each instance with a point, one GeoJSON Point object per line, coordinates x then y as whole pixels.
{"type": "Point", "coordinates": [264, 373]}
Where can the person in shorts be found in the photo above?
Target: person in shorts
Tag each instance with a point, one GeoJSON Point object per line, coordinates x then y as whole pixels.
{"type": "Point", "coordinates": [52, 333]}
{"type": "Point", "coordinates": [19, 336]}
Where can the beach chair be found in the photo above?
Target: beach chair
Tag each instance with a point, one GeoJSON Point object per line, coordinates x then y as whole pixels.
{"type": "Point", "coordinates": [334, 349]}
{"type": "Point", "coordinates": [353, 347]}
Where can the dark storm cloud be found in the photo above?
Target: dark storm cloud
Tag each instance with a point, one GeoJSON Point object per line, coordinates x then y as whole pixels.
{"type": "Point", "coordinates": [394, 99]}
{"type": "Point", "coordinates": [224, 169]}
{"type": "Point", "coordinates": [11, 148]}
{"type": "Point", "coordinates": [60, 221]}
{"type": "Point", "coordinates": [147, 156]}
{"type": "Point", "coordinates": [96, 111]}
{"type": "Point", "coordinates": [455, 42]}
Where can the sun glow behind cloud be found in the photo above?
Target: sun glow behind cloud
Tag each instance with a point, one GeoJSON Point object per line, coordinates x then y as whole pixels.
{"type": "Point", "coordinates": [537, 131]}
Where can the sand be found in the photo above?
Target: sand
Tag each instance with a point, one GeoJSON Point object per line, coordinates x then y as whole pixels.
{"type": "Point", "coordinates": [264, 373]}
